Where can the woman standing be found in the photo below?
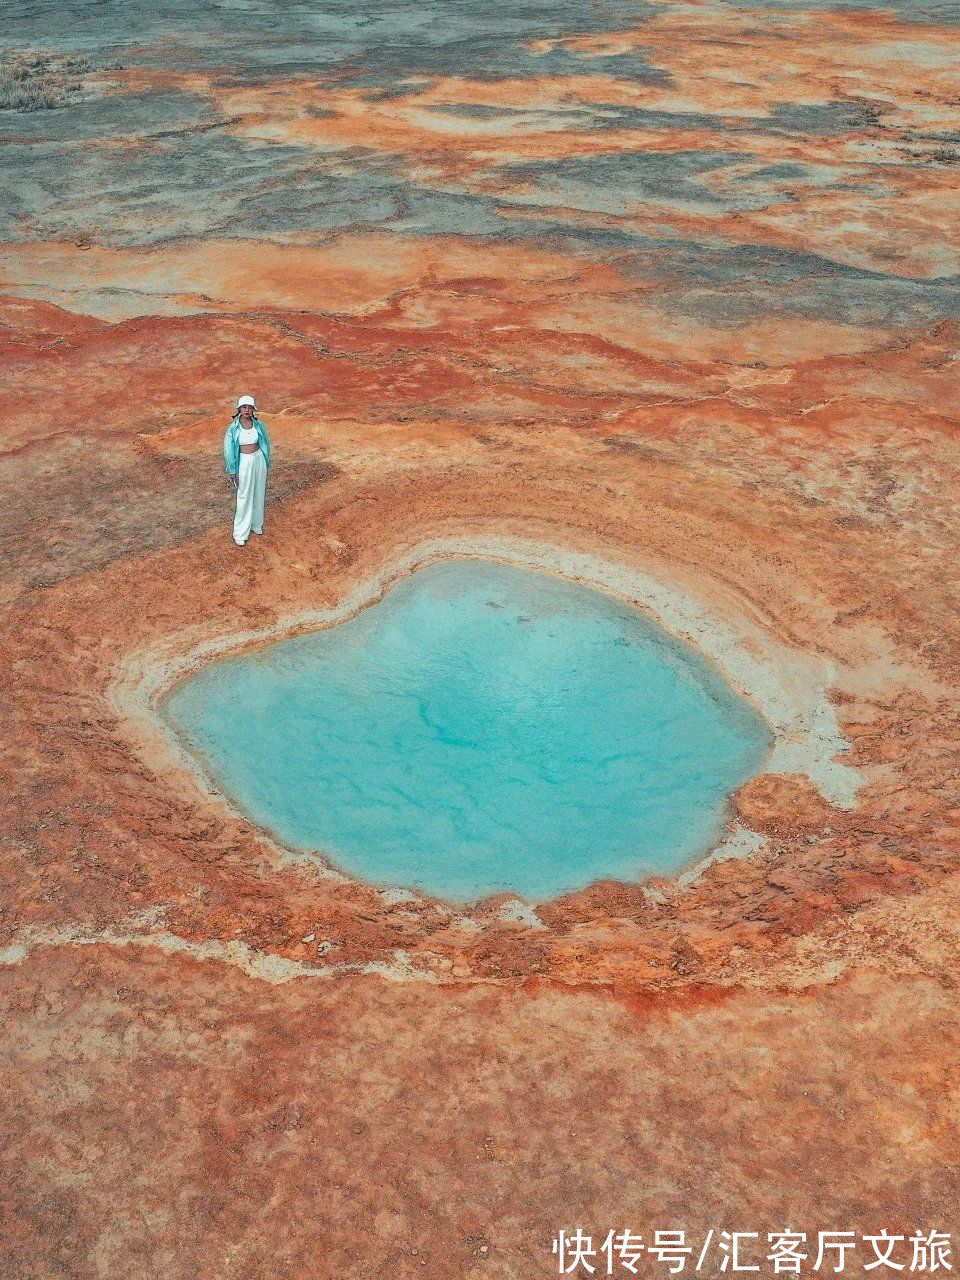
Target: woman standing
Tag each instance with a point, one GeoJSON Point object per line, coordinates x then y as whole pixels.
{"type": "Point", "coordinates": [246, 451]}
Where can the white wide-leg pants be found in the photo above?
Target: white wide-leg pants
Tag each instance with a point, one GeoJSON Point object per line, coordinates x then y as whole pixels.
{"type": "Point", "coordinates": [251, 490]}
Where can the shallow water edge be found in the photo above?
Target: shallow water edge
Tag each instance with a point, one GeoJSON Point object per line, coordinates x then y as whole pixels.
{"type": "Point", "coordinates": [789, 688]}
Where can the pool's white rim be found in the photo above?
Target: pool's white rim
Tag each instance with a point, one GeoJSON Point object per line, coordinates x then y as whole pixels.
{"type": "Point", "coordinates": [789, 688]}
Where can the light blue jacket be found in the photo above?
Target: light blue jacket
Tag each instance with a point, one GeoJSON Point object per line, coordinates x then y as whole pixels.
{"type": "Point", "coordinates": [231, 444]}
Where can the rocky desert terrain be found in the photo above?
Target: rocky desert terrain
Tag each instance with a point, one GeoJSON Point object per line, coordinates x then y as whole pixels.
{"type": "Point", "coordinates": [665, 291]}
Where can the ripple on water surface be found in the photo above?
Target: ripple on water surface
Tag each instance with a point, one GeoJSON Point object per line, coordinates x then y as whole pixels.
{"type": "Point", "coordinates": [482, 728]}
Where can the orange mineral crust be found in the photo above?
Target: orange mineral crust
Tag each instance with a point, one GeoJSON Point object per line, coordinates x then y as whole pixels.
{"type": "Point", "coordinates": [661, 298]}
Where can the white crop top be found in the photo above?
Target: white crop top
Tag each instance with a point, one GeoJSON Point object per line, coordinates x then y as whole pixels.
{"type": "Point", "coordinates": [248, 435]}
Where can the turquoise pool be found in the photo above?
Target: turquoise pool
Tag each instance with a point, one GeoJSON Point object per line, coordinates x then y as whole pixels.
{"type": "Point", "coordinates": [482, 728]}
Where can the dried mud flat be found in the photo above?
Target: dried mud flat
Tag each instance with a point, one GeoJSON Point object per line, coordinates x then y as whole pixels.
{"type": "Point", "coordinates": [723, 383]}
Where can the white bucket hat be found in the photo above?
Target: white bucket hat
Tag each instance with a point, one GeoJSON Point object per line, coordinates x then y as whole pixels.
{"type": "Point", "coordinates": [246, 400]}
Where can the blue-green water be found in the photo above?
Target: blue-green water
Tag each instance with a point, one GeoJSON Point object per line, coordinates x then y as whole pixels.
{"type": "Point", "coordinates": [482, 728]}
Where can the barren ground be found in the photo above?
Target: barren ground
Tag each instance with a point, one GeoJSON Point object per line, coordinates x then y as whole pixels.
{"type": "Point", "coordinates": [674, 288]}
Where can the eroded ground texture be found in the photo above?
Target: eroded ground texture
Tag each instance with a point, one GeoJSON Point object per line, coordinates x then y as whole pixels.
{"type": "Point", "coordinates": [675, 285]}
